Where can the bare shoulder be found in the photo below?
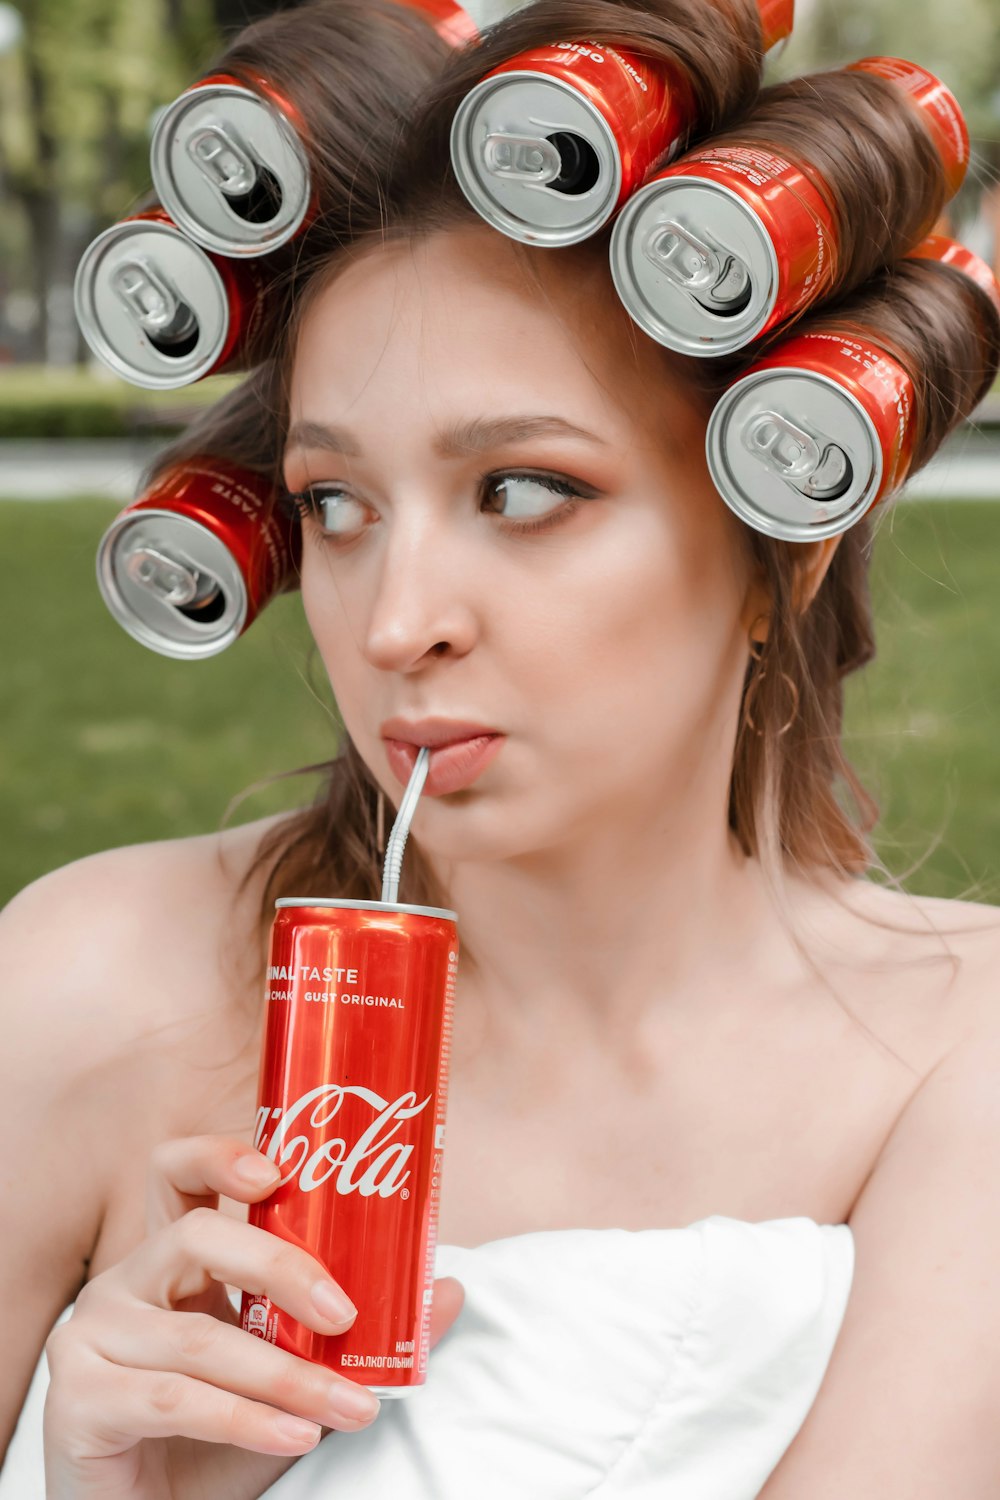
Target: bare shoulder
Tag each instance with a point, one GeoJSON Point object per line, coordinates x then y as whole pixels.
{"type": "Point", "coordinates": [156, 919]}
{"type": "Point", "coordinates": [943, 956]}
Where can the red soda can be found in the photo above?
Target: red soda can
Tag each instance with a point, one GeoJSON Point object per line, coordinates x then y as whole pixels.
{"type": "Point", "coordinates": [938, 106]}
{"type": "Point", "coordinates": [609, 115]}
{"type": "Point", "coordinates": [721, 247]}
{"type": "Point", "coordinates": [229, 162]}
{"type": "Point", "coordinates": [813, 435]}
{"type": "Point", "coordinates": [159, 310]}
{"type": "Point", "coordinates": [190, 565]}
{"type": "Point", "coordinates": [948, 252]}
{"type": "Point", "coordinates": [351, 1108]}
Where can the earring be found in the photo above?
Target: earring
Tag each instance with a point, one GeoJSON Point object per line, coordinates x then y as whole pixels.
{"type": "Point", "coordinates": [755, 683]}
{"type": "Point", "coordinates": [380, 821]}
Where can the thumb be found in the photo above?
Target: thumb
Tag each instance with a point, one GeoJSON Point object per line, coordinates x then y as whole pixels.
{"type": "Point", "coordinates": [449, 1299]}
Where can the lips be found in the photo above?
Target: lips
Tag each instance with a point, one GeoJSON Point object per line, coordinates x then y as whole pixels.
{"type": "Point", "coordinates": [453, 766]}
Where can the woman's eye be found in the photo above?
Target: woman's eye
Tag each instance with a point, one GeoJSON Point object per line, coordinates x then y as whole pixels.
{"type": "Point", "coordinates": [334, 511]}
{"type": "Point", "coordinates": [526, 502]}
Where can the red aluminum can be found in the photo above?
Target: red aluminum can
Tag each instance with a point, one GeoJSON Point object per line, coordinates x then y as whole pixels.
{"type": "Point", "coordinates": [189, 566]}
{"type": "Point", "coordinates": [719, 248]}
{"type": "Point", "coordinates": [609, 115]}
{"type": "Point", "coordinates": [161, 311]}
{"type": "Point", "coordinates": [948, 252]}
{"type": "Point", "coordinates": [814, 435]}
{"type": "Point", "coordinates": [229, 160]}
{"type": "Point", "coordinates": [351, 1108]}
{"type": "Point", "coordinates": [938, 106]}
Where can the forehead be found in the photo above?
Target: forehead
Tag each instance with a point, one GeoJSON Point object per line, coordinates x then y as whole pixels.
{"type": "Point", "coordinates": [466, 314]}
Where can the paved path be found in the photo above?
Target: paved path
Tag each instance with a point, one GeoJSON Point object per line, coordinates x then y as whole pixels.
{"type": "Point", "coordinates": [968, 467]}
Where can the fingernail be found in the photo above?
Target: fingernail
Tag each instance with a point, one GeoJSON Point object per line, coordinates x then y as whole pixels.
{"type": "Point", "coordinates": [256, 1170]}
{"type": "Point", "coordinates": [350, 1400]}
{"type": "Point", "coordinates": [297, 1430]}
{"type": "Point", "coordinates": [332, 1304]}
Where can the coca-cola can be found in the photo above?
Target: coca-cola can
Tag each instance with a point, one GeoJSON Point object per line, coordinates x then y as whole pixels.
{"type": "Point", "coordinates": [229, 163]}
{"type": "Point", "coordinates": [551, 143]}
{"type": "Point", "coordinates": [159, 310]}
{"type": "Point", "coordinates": [351, 1108]}
{"type": "Point", "coordinates": [948, 252]}
{"type": "Point", "coordinates": [939, 109]}
{"type": "Point", "coordinates": [721, 247]}
{"type": "Point", "coordinates": [813, 435]}
{"type": "Point", "coordinates": [189, 566]}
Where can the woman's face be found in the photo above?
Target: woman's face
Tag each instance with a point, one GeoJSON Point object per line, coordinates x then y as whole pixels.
{"type": "Point", "coordinates": [514, 527]}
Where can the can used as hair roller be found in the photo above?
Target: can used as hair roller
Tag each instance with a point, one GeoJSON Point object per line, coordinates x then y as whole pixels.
{"type": "Point", "coordinates": [550, 144]}
{"type": "Point", "coordinates": [726, 244]}
{"type": "Point", "coordinates": [229, 162]}
{"type": "Point", "coordinates": [938, 107]}
{"type": "Point", "coordinates": [813, 435]}
{"type": "Point", "coordinates": [159, 310]}
{"type": "Point", "coordinates": [190, 565]}
{"type": "Point", "coordinates": [723, 246]}
{"type": "Point", "coordinates": [351, 1107]}
{"type": "Point", "coordinates": [948, 252]}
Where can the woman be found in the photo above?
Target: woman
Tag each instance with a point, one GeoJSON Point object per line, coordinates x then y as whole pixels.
{"type": "Point", "coordinates": [697, 1056]}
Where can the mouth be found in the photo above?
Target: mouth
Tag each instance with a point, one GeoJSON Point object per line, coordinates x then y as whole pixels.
{"type": "Point", "coordinates": [452, 767]}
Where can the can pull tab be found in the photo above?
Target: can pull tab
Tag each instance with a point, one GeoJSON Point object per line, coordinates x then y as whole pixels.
{"type": "Point", "coordinates": [154, 304]}
{"type": "Point", "coordinates": [530, 158]}
{"type": "Point", "coordinates": [166, 578]}
{"type": "Point", "coordinates": [715, 277]}
{"type": "Point", "coordinates": [820, 473]}
{"type": "Point", "coordinates": [221, 156]}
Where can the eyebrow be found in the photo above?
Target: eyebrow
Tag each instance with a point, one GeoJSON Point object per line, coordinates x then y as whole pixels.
{"type": "Point", "coordinates": [462, 438]}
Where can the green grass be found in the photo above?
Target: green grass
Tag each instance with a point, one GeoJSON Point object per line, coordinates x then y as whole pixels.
{"type": "Point", "coordinates": [106, 743]}
{"type": "Point", "coordinates": [40, 401]}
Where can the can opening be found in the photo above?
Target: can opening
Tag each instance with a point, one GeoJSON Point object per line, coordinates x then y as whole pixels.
{"type": "Point", "coordinates": [261, 202]}
{"type": "Point", "coordinates": [580, 165]}
{"type": "Point", "coordinates": [180, 339]}
{"type": "Point", "coordinates": [205, 611]}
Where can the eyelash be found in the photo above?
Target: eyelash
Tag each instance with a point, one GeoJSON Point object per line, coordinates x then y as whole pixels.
{"type": "Point", "coordinates": [306, 505]}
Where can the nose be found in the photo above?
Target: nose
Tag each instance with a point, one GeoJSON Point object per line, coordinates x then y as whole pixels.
{"type": "Point", "coordinates": [422, 604]}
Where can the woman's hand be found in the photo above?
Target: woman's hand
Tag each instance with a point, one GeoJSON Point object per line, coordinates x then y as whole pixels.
{"type": "Point", "coordinates": [153, 1353]}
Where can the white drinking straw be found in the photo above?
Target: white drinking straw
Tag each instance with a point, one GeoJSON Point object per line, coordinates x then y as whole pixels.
{"type": "Point", "coordinates": [393, 867]}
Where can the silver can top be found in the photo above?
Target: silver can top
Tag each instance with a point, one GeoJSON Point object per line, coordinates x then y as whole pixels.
{"type": "Point", "coordinates": [230, 169]}
{"type": "Point", "coordinates": [151, 304]}
{"type": "Point", "coordinates": [171, 583]}
{"type": "Point", "coordinates": [535, 159]}
{"type": "Point", "coordinates": [694, 266]}
{"type": "Point", "coordinates": [794, 454]}
{"type": "Point", "coordinates": [415, 911]}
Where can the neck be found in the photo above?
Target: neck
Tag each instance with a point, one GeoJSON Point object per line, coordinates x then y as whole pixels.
{"type": "Point", "coordinates": [605, 934]}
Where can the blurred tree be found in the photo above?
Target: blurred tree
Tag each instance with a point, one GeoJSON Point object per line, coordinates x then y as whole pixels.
{"type": "Point", "coordinates": [77, 98]}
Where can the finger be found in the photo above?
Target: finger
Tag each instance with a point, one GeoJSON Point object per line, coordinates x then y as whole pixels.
{"type": "Point", "coordinates": [200, 1346]}
{"type": "Point", "coordinates": [119, 1408]}
{"type": "Point", "coordinates": [191, 1171]}
{"type": "Point", "coordinates": [205, 1246]}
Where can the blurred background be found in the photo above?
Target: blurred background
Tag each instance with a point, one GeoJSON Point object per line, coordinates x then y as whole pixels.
{"type": "Point", "coordinates": [105, 743]}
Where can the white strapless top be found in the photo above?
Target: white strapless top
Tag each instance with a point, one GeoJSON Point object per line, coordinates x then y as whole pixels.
{"type": "Point", "coordinates": [597, 1363]}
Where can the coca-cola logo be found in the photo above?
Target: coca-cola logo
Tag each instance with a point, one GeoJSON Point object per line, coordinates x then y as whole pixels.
{"type": "Point", "coordinates": [367, 1166]}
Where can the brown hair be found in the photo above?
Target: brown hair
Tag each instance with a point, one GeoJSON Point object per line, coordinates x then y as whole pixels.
{"type": "Point", "coordinates": [789, 771]}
